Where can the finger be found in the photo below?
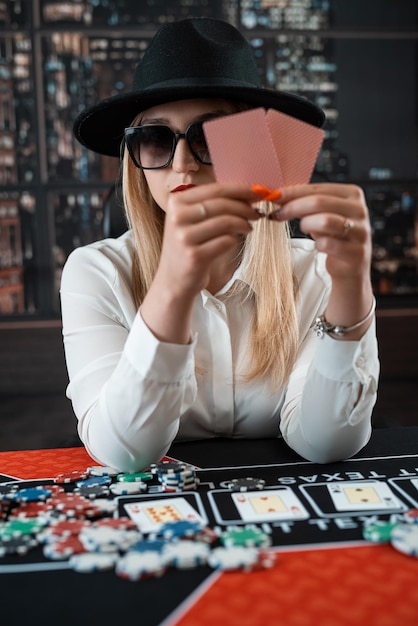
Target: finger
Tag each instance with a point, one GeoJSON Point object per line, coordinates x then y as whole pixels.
{"type": "Point", "coordinates": [337, 190]}
{"type": "Point", "coordinates": [220, 190]}
{"type": "Point", "coordinates": [332, 225]}
{"type": "Point", "coordinates": [194, 213]}
{"type": "Point", "coordinates": [209, 229]}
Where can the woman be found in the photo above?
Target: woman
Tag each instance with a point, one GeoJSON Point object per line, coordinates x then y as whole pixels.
{"type": "Point", "coordinates": [206, 319]}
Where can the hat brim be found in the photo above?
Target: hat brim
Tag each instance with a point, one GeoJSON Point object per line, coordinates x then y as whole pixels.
{"type": "Point", "coordinates": [101, 127]}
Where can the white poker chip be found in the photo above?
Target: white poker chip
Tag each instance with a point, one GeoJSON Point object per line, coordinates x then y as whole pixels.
{"type": "Point", "coordinates": [102, 470]}
{"type": "Point", "coordinates": [125, 489]}
{"type": "Point", "coordinates": [108, 539]}
{"type": "Point", "coordinates": [137, 565]}
{"type": "Point", "coordinates": [404, 538]}
{"type": "Point", "coordinates": [234, 558]}
{"type": "Point", "coordinates": [107, 507]}
{"type": "Point", "coordinates": [93, 562]}
{"type": "Point", "coordinates": [186, 554]}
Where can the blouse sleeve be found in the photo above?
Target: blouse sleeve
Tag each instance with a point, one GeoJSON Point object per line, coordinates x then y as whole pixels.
{"type": "Point", "coordinates": [128, 390]}
{"type": "Point", "coordinates": [330, 397]}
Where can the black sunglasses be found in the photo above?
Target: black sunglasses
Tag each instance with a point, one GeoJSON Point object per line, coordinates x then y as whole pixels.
{"type": "Point", "coordinates": [153, 147]}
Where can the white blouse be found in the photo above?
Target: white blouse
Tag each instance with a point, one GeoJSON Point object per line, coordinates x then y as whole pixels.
{"type": "Point", "coordinates": [133, 395]}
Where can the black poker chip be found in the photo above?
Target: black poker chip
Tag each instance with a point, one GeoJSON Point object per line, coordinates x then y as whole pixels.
{"type": "Point", "coordinates": [168, 467]}
{"type": "Point", "coordinates": [93, 491]}
{"type": "Point", "coordinates": [246, 484]}
{"type": "Point", "coordinates": [17, 545]}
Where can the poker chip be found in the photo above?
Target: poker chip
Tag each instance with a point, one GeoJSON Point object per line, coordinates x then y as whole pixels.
{"type": "Point", "coordinates": [378, 532]}
{"type": "Point", "coordinates": [94, 481]}
{"type": "Point", "coordinates": [121, 523]}
{"type": "Point", "coordinates": [149, 545]}
{"type": "Point", "coordinates": [62, 529]}
{"type": "Point", "coordinates": [137, 565]}
{"type": "Point", "coordinates": [63, 548]}
{"type": "Point", "coordinates": [125, 489]}
{"type": "Point", "coordinates": [70, 477]}
{"type": "Point", "coordinates": [186, 554]}
{"type": "Point", "coordinates": [30, 494]}
{"type": "Point", "coordinates": [30, 510]}
{"type": "Point", "coordinates": [411, 516]}
{"type": "Point", "coordinates": [169, 467]}
{"type": "Point", "coordinates": [135, 477]}
{"type": "Point", "coordinates": [404, 538]}
{"type": "Point", "coordinates": [234, 558]}
{"type": "Point", "coordinates": [88, 562]}
{"type": "Point", "coordinates": [105, 506]}
{"type": "Point", "coordinates": [246, 484]}
{"type": "Point", "coordinates": [108, 539]}
{"type": "Point", "coordinates": [73, 505]}
{"type": "Point", "coordinates": [17, 545]}
{"type": "Point", "coordinates": [6, 490]}
{"type": "Point", "coordinates": [92, 491]}
{"type": "Point", "coordinates": [19, 528]}
{"type": "Point", "coordinates": [179, 529]}
{"type": "Point", "coordinates": [246, 536]}
{"type": "Point", "coordinates": [102, 470]}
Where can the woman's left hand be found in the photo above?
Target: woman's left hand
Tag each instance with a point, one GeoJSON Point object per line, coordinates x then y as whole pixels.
{"type": "Point", "coordinates": [337, 218]}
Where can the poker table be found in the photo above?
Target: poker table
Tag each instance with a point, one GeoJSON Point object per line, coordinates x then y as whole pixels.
{"type": "Point", "coordinates": [325, 574]}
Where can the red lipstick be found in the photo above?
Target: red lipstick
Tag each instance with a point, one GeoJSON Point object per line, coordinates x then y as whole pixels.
{"type": "Point", "coordinates": [182, 188]}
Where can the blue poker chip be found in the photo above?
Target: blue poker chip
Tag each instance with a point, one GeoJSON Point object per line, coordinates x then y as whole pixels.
{"type": "Point", "coordinates": [149, 545]}
{"type": "Point", "coordinates": [94, 481]}
{"type": "Point", "coordinates": [30, 494]}
{"type": "Point", "coordinates": [181, 528]}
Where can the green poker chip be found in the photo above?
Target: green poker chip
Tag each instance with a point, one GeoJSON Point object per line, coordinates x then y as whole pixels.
{"type": "Point", "coordinates": [378, 532]}
{"type": "Point", "coordinates": [20, 528]}
{"type": "Point", "coordinates": [135, 477]}
{"type": "Point", "coordinates": [247, 536]}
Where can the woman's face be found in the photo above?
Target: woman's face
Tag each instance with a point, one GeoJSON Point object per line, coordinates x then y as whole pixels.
{"type": "Point", "coordinates": [184, 169]}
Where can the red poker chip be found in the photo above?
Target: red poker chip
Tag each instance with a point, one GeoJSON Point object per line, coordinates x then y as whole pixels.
{"type": "Point", "coordinates": [411, 516]}
{"type": "Point", "coordinates": [119, 523]}
{"type": "Point", "coordinates": [63, 548]}
{"type": "Point", "coordinates": [29, 510]}
{"type": "Point", "coordinates": [64, 528]}
{"type": "Point", "coordinates": [69, 501]}
{"type": "Point", "coordinates": [70, 477]}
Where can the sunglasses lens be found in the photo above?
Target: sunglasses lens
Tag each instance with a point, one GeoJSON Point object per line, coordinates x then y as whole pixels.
{"type": "Point", "coordinates": [151, 146]}
{"type": "Point", "coordinates": [197, 143]}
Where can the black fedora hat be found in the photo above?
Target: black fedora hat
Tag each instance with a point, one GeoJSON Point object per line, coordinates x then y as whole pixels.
{"type": "Point", "coordinates": [192, 58]}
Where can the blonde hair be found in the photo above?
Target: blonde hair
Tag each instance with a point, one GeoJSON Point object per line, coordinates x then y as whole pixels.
{"type": "Point", "coordinates": [267, 271]}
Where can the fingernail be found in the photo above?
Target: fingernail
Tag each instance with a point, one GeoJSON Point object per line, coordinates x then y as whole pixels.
{"type": "Point", "coordinates": [275, 195]}
{"type": "Point", "coordinates": [260, 212]}
{"type": "Point", "coordinates": [261, 190]}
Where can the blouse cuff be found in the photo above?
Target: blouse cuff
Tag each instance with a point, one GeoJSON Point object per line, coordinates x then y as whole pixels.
{"type": "Point", "coordinates": [346, 361]}
{"type": "Point", "coordinates": [167, 363]}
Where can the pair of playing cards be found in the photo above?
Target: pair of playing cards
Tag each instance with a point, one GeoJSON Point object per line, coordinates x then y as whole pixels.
{"type": "Point", "coordinates": [263, 147]}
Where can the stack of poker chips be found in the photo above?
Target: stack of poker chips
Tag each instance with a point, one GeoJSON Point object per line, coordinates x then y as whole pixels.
{"type": "Point", "coordinates": [175, 476]}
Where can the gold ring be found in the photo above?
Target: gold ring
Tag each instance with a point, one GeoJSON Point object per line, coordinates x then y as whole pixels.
{"type": "Point", "coordinates": [348, 225]}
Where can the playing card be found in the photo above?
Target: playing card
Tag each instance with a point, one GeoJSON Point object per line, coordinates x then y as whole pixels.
{"type": "Point", "coordinates": [297, 145]}
{"type": "Point", "coordinates": [363, 496]}
{"type": "Point", "coordinates": [271, 149]}
{"type": "Point", "coordinates": [151, 514]}
{"type": "Point", "coordinates": [242, 149]}
{"type": "Point", "coordinates": [269, 505]}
